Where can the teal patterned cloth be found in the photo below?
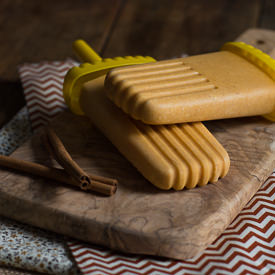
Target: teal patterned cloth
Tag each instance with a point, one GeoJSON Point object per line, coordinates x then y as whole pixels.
{"type": "Point", "coordinates": [15, 132]}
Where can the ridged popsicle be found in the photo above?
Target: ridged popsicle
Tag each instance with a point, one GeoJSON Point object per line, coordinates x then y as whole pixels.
{"type": "Point", "coordinates": [169, 156]}
{"type": "Point", "coordinates": [225, 84]}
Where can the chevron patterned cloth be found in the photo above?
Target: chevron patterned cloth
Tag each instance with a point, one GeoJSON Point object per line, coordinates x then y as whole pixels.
{"type": "Point", "coordinates": [246, 247]}
{"type": "Point", "coordinates": [42, 85]}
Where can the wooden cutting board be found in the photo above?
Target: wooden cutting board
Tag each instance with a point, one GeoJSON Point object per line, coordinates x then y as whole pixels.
{"type": "Point", "coordinates": [139, 218]}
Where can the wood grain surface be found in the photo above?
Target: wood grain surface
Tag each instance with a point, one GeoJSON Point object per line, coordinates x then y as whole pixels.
{"type": "Point", "coordinates": [171, 28]}
{"type": "Point", "coordinates": [33, 31]}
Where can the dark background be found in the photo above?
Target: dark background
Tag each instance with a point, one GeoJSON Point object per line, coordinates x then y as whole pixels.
{"type": "Point", "coordinates": [33, 31]}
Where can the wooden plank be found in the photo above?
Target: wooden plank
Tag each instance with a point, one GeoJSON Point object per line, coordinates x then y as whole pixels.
{"type": "Point", "coordinates": [267, 19]}
{"type": "Point", "coordinates": [139, 218]}
{"type": "Point", "coordinates": [168, 28]}
{"type": "Point", "coordinates": [34, 31]}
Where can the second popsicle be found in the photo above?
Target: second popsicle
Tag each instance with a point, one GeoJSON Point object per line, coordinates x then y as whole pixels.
{"type": "Point", "coordinates": [237, 81]}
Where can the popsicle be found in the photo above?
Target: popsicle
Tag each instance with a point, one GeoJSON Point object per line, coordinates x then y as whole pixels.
{"type": "Point", "coordinates": [235, 82]}
{"type": "Point", "coordinates": [171, 156]}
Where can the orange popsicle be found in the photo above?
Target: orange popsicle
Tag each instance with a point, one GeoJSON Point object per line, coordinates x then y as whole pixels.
{"type": "Point", "coordinates": [237, 81]}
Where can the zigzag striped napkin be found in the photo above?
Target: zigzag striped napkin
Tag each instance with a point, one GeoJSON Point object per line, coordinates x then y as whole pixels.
{"type": "Point", "coordinates": [42, 85]}
{"type": "Point", "coordinates": [246, 247]}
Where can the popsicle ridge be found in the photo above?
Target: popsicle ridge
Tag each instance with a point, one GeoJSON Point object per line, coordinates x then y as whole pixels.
{"type": "Point", "coordinates": [181, 154]}
{"type": "Point", "coordinates": [145, 102]}
{"type": "Point", "coordinates": [216, 147]}
{"type": "Point", "coordinates": [131, 101]}
{"type": "Point", "coordinates": [204, 162]}
{"type": "Point", "coordinates": [166, 64]}
{"type": "Point", "coordinates": [136, 89]}
{"type": "Point", "coordinates": [189, 151]}
{"type": "Point", "coordinates": [180, 174]}
{"type": "Point", "coordinates": [207, 145]}
{"type": "Point", "coordinates": [124, 82]}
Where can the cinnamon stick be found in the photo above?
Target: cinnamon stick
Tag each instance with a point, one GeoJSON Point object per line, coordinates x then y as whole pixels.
{"type": "Point", "coordinates": [56, 148]}
{"type": "Point", "coordinates": [56, 174]}
{"type": "Point", "coordinates": [108, 181]}
{"type": "Point", "coordinates": [64, 159]}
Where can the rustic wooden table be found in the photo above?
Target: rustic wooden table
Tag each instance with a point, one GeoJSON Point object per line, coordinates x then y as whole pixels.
{"type": "Point", "coordinates": [32, 31]}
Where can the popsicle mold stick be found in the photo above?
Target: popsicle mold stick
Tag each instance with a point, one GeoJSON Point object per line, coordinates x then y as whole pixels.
{"type": "Point", "coordinates": [169, 156]}
{"type": "Point", "coordinates": [237, 81]}
{"type": "Point", "coordinates": [265, 62]}
{"type": "Point", "coordinates": [94, 67]}
{"type": "Point", "coordinates": [84, 52]}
